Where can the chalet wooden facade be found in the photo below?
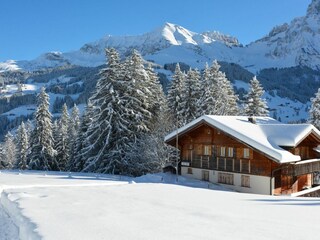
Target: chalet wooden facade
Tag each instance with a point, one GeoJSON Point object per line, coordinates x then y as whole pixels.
{"type": "Point", "coordinates": [257, 155]}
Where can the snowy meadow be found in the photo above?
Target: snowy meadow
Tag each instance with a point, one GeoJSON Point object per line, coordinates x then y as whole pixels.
{"type": "Point", "coordinates": [42, 205]}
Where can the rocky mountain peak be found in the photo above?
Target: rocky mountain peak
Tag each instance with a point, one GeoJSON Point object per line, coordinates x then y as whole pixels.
{"type": "Point", "coordinates": [314, 8]}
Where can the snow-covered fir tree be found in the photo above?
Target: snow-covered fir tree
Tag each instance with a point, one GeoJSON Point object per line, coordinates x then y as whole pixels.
{"type": "Point", "coordinates": [62, 140]}
{"type": "Point", "coordinates": [137, 85]}
{"type": "Point", "coordinates": [212, 101]}
{"type": "Point", "coordinates": [217, 94]}
{"type": "Point", "coordinates": [124, 107]}
{"type": "Point", "coordinates": [149, 153]}
{"type": "Point", "coordinates": [29, 128]}
{"type": "Point", "coordinates": [157, 100]}
{"type": "Point", "coordinates": [190, 96]}
{"type": "Point", "coordinates": [22, 140]}
{"type": "Point", "coordinates": [108, 136]}
{"type": "Point", "coordinates": [42, 143]}
{"type": "Point", "coordinates": [2, 157]}
{"type": "Point", "coordinates": [255, 105]}
{"type": "Point", "coordinates": [229, 97]}
{"type": "Point", "coordinates": [74, 123]}
{"type": "Point", "coordinates": [74, 126]}
{"type": "Point", "coordinates": [315, 110]}
{"type": "Point", "coordinates": [9, 151]}
{"type": "Point", "coordinates": [204, 91]}
{"type": "Point", "coordinates": [78, 160]}
{"type": "Point", "coordinates": [175, 96]}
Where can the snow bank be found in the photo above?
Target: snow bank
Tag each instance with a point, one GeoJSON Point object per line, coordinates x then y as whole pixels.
{"type": "Point", "coordinates": [25, 226]}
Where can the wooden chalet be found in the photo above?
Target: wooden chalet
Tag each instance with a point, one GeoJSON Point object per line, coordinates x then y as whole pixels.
{"type": "Point", "coordinates": [250, 154]}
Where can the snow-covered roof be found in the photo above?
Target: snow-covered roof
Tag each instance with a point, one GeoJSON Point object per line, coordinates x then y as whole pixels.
{"type": "Point", "coordinates": [266, 135]}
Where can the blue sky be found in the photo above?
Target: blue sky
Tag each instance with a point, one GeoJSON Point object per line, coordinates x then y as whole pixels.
{"type": "Point", "coordinates": [31, 27]}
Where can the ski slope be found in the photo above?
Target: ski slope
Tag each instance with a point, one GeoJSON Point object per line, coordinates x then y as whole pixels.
{"type": "Point", "coordinates": [88, 206]}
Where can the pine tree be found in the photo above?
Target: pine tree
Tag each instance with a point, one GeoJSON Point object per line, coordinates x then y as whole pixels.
{"type": "Point", "coordinates": [29, 128]}
{"type": "Point", "coordinates": [315, 110]}
{"type": "Point", "coordinates": [254, 104]}
{"type": "Point", "coordinates": [156, 95]}
{"type": "Point", "coordinates": [175, 96]}
{"type": "Point", "coordinates": [9, 151]}
{"type": "Point", "coordinates": [22, 139]}
{"type": "Point", "coordinates": [2, 157]}
{"type": "Point", "coordinates": [42, 148]}
{"type": "Point", "coordinates": [74, 121]}
{"type": "Point", "coordinates": [126, 104]}
{"type": "Point", "coordinates": [218, 96]}
{"type": "Point", "coordinates": [139, 99]}
{"type": "Point", "coordinates": [204, 91]}
{"type": "Point", "coordinates": [191, 95]}
{"type": "Point", "coordinates": [62, 141]}
{"type": "Point", "coordinates": [74, 126]}
{"type": "Point", "coordinates": [149, 152]}
{"type": "Point", "coordinates": [108, 136]}
{"type": "Point", "coordinates": [82, 144]}
{"type": "Point", "coordinates": [228, 96]}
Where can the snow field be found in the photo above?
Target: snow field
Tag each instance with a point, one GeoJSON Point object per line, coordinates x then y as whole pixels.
{"type": "Point", "coordinates": [84, 206]}
{"type": "Point", "coordinates": [8, 230]}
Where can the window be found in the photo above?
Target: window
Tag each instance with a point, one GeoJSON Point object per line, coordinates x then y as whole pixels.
{"type": "Point", "coordinates": [222, 151]}
{"type": "Point", "coordinates": [207, 150]}
{"type": "Point", "coordinates": [189, 170]}
{"type": "Point", "coordinates": [230, 151]}
{"type": "Point", "coordinates": [198, 149]}
{"type": "Point", "coordinates": [221, 164]}
{"type": "Point", "coordinates": [213, 163]}
{"type": "Point", "coordinates": [225, 178]}
{"type": "Point", "coordinates": [245, 165]}
{"type": "Point", "coordinates": [245, 181]}
{"type": "Point", "coordinates": [246, 153]}
{"type": "Point", "coordinates": [229, 164]}
{"type": "Point", "coordinates": [236, 165]}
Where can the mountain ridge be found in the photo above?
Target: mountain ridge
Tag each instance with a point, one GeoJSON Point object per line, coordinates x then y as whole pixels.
{"type": "Point", "coordinates": [296, 43]}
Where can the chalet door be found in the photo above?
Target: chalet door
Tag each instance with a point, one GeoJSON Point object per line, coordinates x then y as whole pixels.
{"type": "Point", "coordinates": [205, 175]}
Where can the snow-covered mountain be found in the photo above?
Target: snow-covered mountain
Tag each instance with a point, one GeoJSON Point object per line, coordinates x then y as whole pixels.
{"type": "Point", "coordinates": [291, 44]}
{"type": "Point", "coordinates": [165, 40]}
{"type": "Point", "coordinates": [287, 45]}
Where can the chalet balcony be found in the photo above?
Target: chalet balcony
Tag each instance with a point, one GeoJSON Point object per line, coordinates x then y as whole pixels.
{"type": "Point", "coordinates": [215, 163]}
{"type": "Point", "coordinates": [201, 161]}
{"type": "Point", "coordinates": [302, 167]}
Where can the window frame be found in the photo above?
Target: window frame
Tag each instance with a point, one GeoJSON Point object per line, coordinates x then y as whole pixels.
{"type": "Point", "coordinates": [246, 153]}
{"type": "Point", "coordinates": [206, 150]}
{"type": "Point", "coordinates": [230, 152]}
{"type": "Point", "coordinates": [222, 153]}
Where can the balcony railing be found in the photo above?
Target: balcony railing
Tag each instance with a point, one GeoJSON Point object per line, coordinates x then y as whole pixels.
{"type": "Point", "coordinates": [228, 164]}
{"type": "Point", "coordinates": [200, 161]}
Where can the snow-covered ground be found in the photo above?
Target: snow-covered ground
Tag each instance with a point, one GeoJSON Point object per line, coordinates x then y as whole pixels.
{"type": "Point", "coordinates": [8, 230]}
{"type": "Point", "coordinates": [88, 206]}
{"type": "Point", "coordinates": [30, 88]}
